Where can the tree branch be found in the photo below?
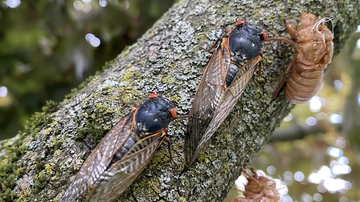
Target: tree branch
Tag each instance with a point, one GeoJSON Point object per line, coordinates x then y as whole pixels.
{"type": "Point", "coordinates": [168, 59]}
{"type": "Point", "coordinates": [295, 132]}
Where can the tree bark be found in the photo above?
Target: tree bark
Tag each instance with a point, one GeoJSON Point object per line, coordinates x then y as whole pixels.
{"type": "Point", "coordinates": [168, 59]}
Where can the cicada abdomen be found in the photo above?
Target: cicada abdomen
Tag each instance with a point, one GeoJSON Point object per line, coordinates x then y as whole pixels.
{"type": "Point", "coordinates": [123, 153]}
{"type": "Point", "coordinates": [313, 43]}
{"type": "Point", "coordinates": [259, 188]}
{"type": "Point", "coordinates": [228, 72]}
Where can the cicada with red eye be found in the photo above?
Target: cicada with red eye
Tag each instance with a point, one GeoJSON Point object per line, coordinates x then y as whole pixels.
{"type": "Point", "coordinates": [259, 188]}
{"type": "Point", "coordinates": [228, 72]}
{"type": "Point", "coordinates": [124, 152]}
{"type": "Point", "coordinates": [313, 43]}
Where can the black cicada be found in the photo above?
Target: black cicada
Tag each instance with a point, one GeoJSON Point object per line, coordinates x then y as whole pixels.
{"type": "Point", "coordinates": [228, 72]}
{"type": "Point", "coordinates": [123, 153]}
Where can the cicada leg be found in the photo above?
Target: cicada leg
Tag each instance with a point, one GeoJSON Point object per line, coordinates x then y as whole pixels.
{"type": "Point", "coordinates": [283, 80]}
{"type": "Point", "coordinates": [166, 139]}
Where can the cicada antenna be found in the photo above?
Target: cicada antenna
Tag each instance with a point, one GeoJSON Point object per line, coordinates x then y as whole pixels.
{"type": "Point", "coordinates": [182, 117]}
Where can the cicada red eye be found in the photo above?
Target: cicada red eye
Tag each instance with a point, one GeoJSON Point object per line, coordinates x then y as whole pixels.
{"type": "Point", "coordinates": [240, 22]}
{"type": "Point", "coordinates": [173, 112]}
{"type": "Point", "coordinates": [263, 35]}
{"type": "Point", "coordinates": [153, 95]}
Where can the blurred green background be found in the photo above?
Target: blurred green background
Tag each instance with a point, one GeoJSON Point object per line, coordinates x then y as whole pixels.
{"type": "Point", "coordinates": [49, 47]}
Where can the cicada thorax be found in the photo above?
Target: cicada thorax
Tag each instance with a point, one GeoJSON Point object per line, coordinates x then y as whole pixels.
{"type": "Point", "coordinates": [245, 41]}
{"type": "Point", "coordinates": [153, 116]}
{"type": "Point", "coordinates": [123, 153]}
{"type": "Point", "coordinates": [313, 45]}
{"type": "Point", "coordinates": [228, 72]}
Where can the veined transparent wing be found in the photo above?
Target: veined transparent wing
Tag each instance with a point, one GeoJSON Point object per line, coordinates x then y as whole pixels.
{"type": "Point", "coordinates": [123, 173]}
{"type": "Point", "coordinates": [228, 100]}
{"type": "Point", "coordinates": [100, 158]}
{"type": "Point", "coordinates": [207, 98]}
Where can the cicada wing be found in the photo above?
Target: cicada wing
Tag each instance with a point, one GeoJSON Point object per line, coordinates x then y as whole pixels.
{"type": "Point", "coordinates": [231, 97]}
{"type": "Point", "coordinates": [100, 158]}
{"type": "Point", "coordinates": [123, 173]}
{"type": "Point", "coordinates": [207, 98]}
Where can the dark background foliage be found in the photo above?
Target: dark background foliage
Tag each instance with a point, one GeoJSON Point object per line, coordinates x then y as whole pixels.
{"type": "Point", "coordinates": [44, 52]}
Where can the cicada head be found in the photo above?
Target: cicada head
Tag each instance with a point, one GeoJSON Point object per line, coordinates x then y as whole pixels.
{"type": "Point", "coordinates": [154, 115]}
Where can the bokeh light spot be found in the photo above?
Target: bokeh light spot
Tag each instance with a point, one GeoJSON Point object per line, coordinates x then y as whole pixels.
{"type": "Point", "coordinates": [13, 3]}
{"type": "Point", "coordinates": [306, 197]}
{"type": "Point", "coordinates": [335, 152]}
{"type": "Point", "coordinates": [343, 160]}
{"type": "Point", "coordinates": [288, 175]}
{"type": "Point", "coordinates": [321, 115]}
{"type": "Point", "coordinates": [92, 39]}
{"type": "Point", "coordinates": [103, 3]}
{"type": "Point", "coordinates": [125, 5]}
{"type": "Point", "coordinates": [340, 142]}
{"type": "Point", "coordinates": [86, 8]}
{"type": "Point", "coordinates": [338, 84]}
{"type": "Point", "coordinates": [334, 185]}
{"type": "Point", "coordinates": [3, 91]}
{"type": "Point", "coordinates": [311, 121]}
{"type": "Point", "coordinates": [321, 188]}
{"type": "Point", "coordinates": [335, 118]}
{"type": "Point", "coordinates": [341, 169]}
{"type": "Point", "coordinates": [78, 5]}
{"type": "Point", "coordinates": [315, 104]}
{"type": "Point", "coordinates": [299, 176]}
{"type": "Point", "coordinates": [271, 170]}
{"type": "Point", "coordinates": [317, 197]}
{"type": "Point", "coordinates": [343, 199]}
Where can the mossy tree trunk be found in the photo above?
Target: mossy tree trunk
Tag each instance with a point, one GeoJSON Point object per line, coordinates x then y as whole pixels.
{"type": "Point", "coordinates": [169, 59]}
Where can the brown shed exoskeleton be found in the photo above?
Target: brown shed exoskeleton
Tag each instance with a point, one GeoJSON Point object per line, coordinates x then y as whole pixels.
{"type": "Point", "coordinates": [258, 189]}
{"type": "Point", "coordinates": [313, 45]}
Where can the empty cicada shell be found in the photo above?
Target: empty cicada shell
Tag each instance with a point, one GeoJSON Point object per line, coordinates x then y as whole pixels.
{"type": "Point", "coordinates": [258, 189]}
{"type": "Point", "coordinates": [226, 75]}
{"type": "Point", "coordinates": [123, 153]}
{"type": "Point", "coordinates": [313, 45]}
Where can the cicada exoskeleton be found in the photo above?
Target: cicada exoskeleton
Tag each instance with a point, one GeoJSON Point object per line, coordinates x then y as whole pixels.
{"type": "Point", "coordinates": [123, 153]}
{"type": "Point", "coordinates": [227, 74]}
{"type": "Point", "coordinates": [313, 45]}
{"type": "Point", "coordinates": [259, 188]}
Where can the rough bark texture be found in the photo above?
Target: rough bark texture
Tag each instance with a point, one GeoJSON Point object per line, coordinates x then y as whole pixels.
{"type": "Point", "coordinates": [169, 59]}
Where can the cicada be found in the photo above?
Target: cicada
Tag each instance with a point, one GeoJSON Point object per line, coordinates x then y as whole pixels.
{"type": "Point", "coordinates": [228, 72]}
{"type": "Point", "coordinates": [259, 188]}
{"type": "Point", "coordinates": [123, 153]}
{"type": "Point", "coordinates": [313, 52]}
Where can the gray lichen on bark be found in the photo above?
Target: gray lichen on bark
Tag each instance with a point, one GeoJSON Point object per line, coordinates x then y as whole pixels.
{"type": "Point", "coordinates": [169, 59]}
